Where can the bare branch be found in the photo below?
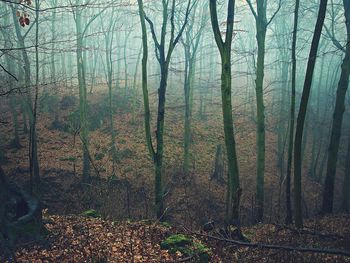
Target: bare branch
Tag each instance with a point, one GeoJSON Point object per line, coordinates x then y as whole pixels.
{"type": "Point", "coordinates": [333, 38]}
{"type": "Point", "coordinates": [4, 69]}
{"type": "Point", "coordinates": [154, 36]}
{"type": "Point", "coordinates": [252, 9]}
{"type": "Point", "coordinates": [275, 13]}
{"type": "Point", "coordinates": [215, 25]}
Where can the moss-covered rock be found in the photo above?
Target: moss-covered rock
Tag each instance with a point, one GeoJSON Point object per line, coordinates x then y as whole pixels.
{"type": "Point", "coordinates": [187, 246]}
{"type": "Point", "coordinates": [175, 242]}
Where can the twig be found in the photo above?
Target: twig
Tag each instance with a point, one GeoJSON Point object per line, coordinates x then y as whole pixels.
{"type": "Point", "coordinates": [8, 72]}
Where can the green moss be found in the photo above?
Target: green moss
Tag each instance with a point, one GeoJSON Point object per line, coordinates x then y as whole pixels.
{"type": "Point", "coordinates": [187, 247]}
{"type": "Point", "coordinates": [91, 213]}
{"type": "Point", "coordinates": [201, 248]}
{"type": "Point", "coordinates": [202, 251]}
{"type": "Point", "coordinates": [176, 242]}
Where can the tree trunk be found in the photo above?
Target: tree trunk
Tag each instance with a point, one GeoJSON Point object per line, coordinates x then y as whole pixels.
{"type": "Point", "coordinates": [109, 67]}
{"type": "Point", "coordinates": [302, 114]}
{"type": "Point", "coordinates": [33, 155]}
{"type": "Point", "coordinates": [233, 189]}
{"type": "Point", "coordinates": [82, 98]}
{"type": "Point", "coordinates": [232, 209]}
{"type": "Point", "coordinates": [260, 170]}
{"type": "Point", "coordinates": [34, 161]}
{"type": "Point", "coordinates": [346, 184]}
{"type": "Point", "coordinates": [160, 142]}
{"type": "Point", "coordinates": [53, 39]}
{"type": "Point", "coordinates": [328, 193]}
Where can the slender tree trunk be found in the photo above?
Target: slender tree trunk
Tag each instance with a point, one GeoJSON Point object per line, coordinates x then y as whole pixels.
{"type": "Point", "coordinates": [135, 89]}
{"type": "Point", "coordinates": [53, 39]}
{"type": "Point", "coordinates": [33, 155]}
{"type": "Point", "coordinates": [260, 170]}
{"type": "Point", "coordinates": [109, 63]}
{"type": "Point", "coordinates": [346, 184]}
{"type": "Point", "coordinates": [328, 193]}
{"type": "Point", "coordinates": [164, 60]}
{"type": "Point", "coordinates": [317, 131]}
{"type": "Point", "coordinates": [10, 66]}
{"type": "Point", "coordinates": [147, 114]}
{"type": "Point", "coordinates": [82, 97]}
{"type": "Point", "coordinates": [232, 211]}
{"type": "Point", "coordinates": [261, 28]}
{"type": "Point", "coordinates": [187, 129]}
{"type": "Point", "coordinates": [34, 162]}
{"type": "Point", "coordinates": [233, 189]}
{"type": "Point", "coordinates": [127, 34]}
{"type": "Point", "coordinates": [302, 114]}
{"type": "Point", "coordinates": [160, 142]}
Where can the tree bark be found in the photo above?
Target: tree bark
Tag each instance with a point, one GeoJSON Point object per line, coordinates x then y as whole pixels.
{"type": "Point", "coordinates": [233, 188]}
{"type": "Point", "coordinates": [346, 184]}
{"type": "Point", "coordinates": [328, 193]}
{"type": "Point", "coordinates": [302, 114]}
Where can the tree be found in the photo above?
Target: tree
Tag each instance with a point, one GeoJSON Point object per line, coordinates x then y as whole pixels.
{"type": "Point", "coordinates": [81, 29]}
{"type": "Point", "coordinates": [302, 113]}
{"type": "Point", "coordinates": [328, 193]}
{"type": "Point", "coordinates": [289, 214]}
{"type": "Point", "coordinates": [33, 145]}
{"type": "Point", "coordinates": [261, 23]}
{"type": "Point", "coordinates": [7, 34]}
{"type": "Point", "coordinates": [31, 104]}
{"type": "Point", "coordinates": [233, 191]}
{"type": "Point", "coordinates": [163, 58]}
{"type": "Point", "coordinates": [53, 39]}
{"type": "Point", "coordinates": [108, 38]}
{"type": "Point", "coordinates": [346, 184]}
{"type": "Point", "coordinates": [190, 43]}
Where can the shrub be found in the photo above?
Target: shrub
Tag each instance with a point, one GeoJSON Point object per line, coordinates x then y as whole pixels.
{"type": "Point", "coordinates": [48, 103]}
{"type": "Point", "coordinates": [68, 102]}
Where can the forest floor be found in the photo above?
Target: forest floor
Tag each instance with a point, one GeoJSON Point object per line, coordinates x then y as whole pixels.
{"type": "Point", "coordinates": [74, 238]}
{"type": "Point", "coordinates": [125, 202]}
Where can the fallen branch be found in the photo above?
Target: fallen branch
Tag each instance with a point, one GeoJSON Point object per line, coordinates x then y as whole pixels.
{"type": "Point", "coordinates": [280, 247]}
